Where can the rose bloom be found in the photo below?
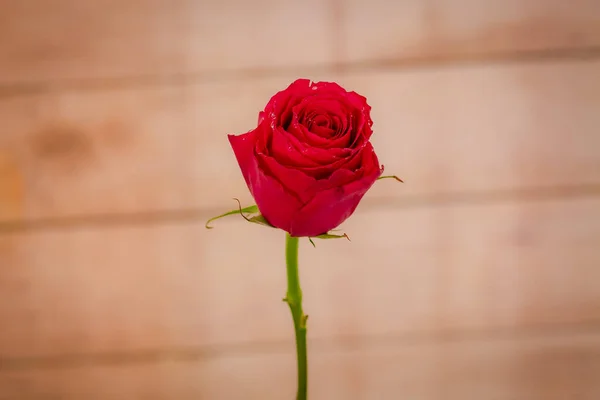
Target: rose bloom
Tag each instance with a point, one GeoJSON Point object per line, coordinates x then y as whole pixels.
{"type": "Point", "coordinates": [309, 162]}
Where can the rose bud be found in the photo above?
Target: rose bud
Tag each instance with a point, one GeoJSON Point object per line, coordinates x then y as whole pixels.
{"type": "Point", "coordinates": [309, 162]}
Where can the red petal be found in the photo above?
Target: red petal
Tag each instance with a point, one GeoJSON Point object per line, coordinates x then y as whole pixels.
{"type": "Point", "coordinates": [295, 181]}
{"type": "Point", "coordinates": [329, 208]}
{"type": "Point", "coordinates": [277, 205]}
{"type": "Point", "coordinates": [243, 148]}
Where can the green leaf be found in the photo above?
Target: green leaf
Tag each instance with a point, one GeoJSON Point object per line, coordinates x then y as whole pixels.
{"type": "Point", "coordinates": [390, 176]}
{"type": "Point", "coordinates": [250, 210]}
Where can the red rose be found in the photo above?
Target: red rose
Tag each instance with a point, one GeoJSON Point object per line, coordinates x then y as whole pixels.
{"type": "Point", "coordinates": [309, 162]}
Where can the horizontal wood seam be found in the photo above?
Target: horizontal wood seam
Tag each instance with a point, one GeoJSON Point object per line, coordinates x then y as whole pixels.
{"type": "Point", "coordinates": [376, 65]}
{"type": "Point", "coordinates": [201, 214]}
{"type": "Point", "coordinates": [322, 345]}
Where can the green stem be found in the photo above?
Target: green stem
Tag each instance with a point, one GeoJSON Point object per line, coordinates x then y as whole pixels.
{"type": "Point", "coordinates": [294, 299]}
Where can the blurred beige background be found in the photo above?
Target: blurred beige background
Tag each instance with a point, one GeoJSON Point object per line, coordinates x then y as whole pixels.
{"type": "Point", "coordinates": [479, 278]}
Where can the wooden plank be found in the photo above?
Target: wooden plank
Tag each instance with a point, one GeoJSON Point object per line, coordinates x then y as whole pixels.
{"type": "Point", "coordinates": [126, 151]}
{"type": "Point", "coordinates": [165, 148]}
{"type": "Point", "coordinates": [441, 29]}
{"type": "Point", "coordinates": [486, 128]}
{"type": "Point", "coordinates": [71, 40]}
{"type": "Point", "coordinates": [545, 367]}
{"type": "Point", "coordinates": [407, 271]}
{"type": "Point", "coordinates": [65, 39]}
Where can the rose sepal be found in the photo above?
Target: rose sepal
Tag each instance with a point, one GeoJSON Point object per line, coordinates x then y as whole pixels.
{"type": "Point", "coordinates": [390, 177]}
{"type": "Point", "coordinates": [251, 214]}
{"type": "Point", "coordinates": [329, 235]}
{"type": "Point", "coordinates": [257, 218]}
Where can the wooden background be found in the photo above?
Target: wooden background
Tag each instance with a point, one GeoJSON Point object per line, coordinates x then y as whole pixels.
{"type": "Point", "coordinates": [479, 278]}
